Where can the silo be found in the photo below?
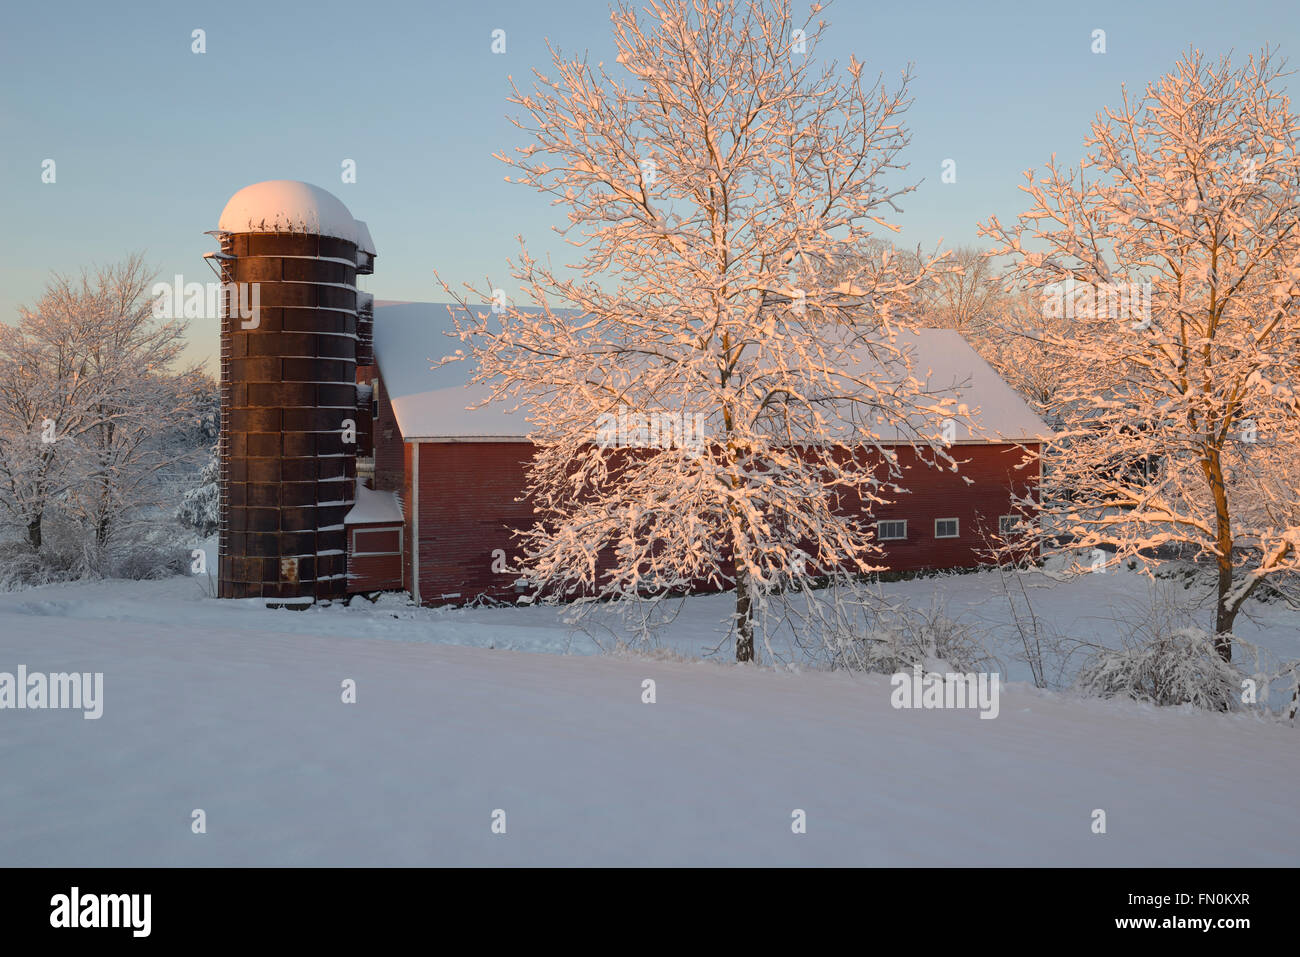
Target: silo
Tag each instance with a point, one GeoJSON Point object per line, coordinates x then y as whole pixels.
{"type": "Point", "coordinates": [288, 389]}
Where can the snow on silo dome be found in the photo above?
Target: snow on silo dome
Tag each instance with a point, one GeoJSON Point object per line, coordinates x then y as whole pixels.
{"type": "Point", "coordinates": [288, 206]}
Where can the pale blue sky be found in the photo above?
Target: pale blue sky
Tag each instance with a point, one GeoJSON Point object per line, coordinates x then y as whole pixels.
{"type": "Point", "coordinates": [150, 139]}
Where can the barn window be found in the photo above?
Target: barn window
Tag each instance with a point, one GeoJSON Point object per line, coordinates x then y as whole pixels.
{"type": "Point", "coordinates": [892, 530]}
{"type": "Point", "coordinates": [945, 528]}
{"type": "Point", "coordinates": [377, 541]}
{"type": "Point", "coordinates": [1007, 525]}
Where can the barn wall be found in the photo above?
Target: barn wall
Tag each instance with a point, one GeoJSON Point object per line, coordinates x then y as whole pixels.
{"type": "Point", "coordinates": [994, 471]}
{"type": "Point", "coordinates": [467, 509]}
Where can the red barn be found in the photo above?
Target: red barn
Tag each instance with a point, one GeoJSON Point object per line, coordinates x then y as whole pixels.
{"type": "Point", "coordinates": [447, 482]}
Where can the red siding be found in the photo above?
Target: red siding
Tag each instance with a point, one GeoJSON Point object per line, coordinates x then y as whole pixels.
{"type": "Point", "coordinates": [994, 472]}
{"type": "Point", "coordinates": [375, 558]}
{"type": "Point", "coordinates": [468, 509]}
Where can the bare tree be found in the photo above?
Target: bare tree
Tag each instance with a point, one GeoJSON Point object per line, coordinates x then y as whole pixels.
{"type": "Point", "coordinates": [1174, 249]}
{"type": "Point", "coordinates": [728, 307]}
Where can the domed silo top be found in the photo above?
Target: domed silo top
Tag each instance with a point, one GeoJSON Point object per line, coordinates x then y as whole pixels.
{"type": "Point", "coordinates": [289, 206]}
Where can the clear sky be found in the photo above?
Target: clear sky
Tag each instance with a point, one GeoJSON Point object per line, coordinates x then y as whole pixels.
{"type": "Point", "coordinates": [150, 139]}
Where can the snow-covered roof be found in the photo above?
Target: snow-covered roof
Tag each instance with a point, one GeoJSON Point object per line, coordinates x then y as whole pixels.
{"type": "Point", "coordinates": [287, 205]}
{"type": "Point", "coordinates": [431, 404]}
{"type": "Point", "coordinates": [947, 364]}
{"type": "Point", "coordinates": [374, 506]}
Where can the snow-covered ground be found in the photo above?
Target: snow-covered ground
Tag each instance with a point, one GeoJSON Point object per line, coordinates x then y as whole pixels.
{"type": "Point", "coordinates": [1096, 608]}
{"type": "Point", "coordinates": [237, 710]}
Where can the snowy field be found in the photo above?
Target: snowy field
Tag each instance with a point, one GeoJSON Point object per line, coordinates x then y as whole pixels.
{"type": "Point", "coordinates": [236, 710]}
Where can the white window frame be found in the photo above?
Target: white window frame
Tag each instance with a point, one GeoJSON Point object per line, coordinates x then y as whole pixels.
{"type": "Point", "coordinates": [1004, 520]}
{"type": "Point", "coordinates": [891, 538]}
{"type": "Point", "coordinates": [956, 527]}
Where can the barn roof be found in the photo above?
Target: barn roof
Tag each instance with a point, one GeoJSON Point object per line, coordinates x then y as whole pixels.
{"type": "Point", "coordinates": [946, 363]}
{"type": "Point", "coordinates": [431, 403]}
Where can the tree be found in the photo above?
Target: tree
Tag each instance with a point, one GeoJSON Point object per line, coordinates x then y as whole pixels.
{"type": "Point", "coordinates": [1013, 339]}
{"type": "Point", "coordinates": [43, 391]}
{"type": "Point", "coordinates": [200, 507]}
{"type": "Point", "coordinates": [965, 292]}
{"type": "Point", "coordinates": [731, 318]}
{"type": "Point", "coordinates": [1174, 248]}
{"type": "Point", "coordinates": [88, 392]}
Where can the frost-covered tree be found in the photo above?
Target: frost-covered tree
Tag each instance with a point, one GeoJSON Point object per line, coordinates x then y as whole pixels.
{"type": "Point", "coordinates": [195, 434]}
{"type": "Point", "coordinates": [730, 314]}
{"type": "Point", "coordinates": [966, 292]}
{"type": "Point", "coordinates": [1174, 249]}
{"type": "Point", "coordinates": [1014, 339]}
{"type": "Point", "coordinates": [88, 394]}
{"type": "Point", "coordinates": [28, 477]}
{"type": "Point", "coordinates": [43, 393]}
{"type": "Point", "coordinates": [200, 507]}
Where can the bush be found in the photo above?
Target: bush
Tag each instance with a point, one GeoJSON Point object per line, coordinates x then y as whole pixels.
{"type": "Point", "coordinates": [150, 561]}
{"type": "Point", "coordinates": [20, 567]}
{"type": "Point", "coordinates": [905, 638]}
{"type": "Point", "coordinates": [1178, 667]}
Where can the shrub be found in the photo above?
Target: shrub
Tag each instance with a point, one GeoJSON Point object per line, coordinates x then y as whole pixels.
{"type": "Point", "coordinates": [20, 567]}
{"type": "Point", "coordinates": [904, 638]}
{"type": "Point", "coordinates": [150, 561]}
{"type": "Point", "coordinates": [1172, 668]}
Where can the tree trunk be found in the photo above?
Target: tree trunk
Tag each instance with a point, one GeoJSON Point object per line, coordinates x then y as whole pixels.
{"type": "Point", "coordinates": [744, 619]}
{"type": "Point", "coordinates": [1224, 616]}
{"type": "Point", "coordinates": [34, 533]}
